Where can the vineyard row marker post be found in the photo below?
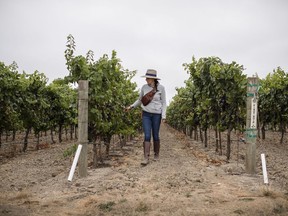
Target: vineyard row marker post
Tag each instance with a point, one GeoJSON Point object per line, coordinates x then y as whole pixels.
{"type": "Point", "coordinates": [251, 125]}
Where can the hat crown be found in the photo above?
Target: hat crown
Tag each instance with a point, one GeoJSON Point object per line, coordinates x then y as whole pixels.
{"type": "Point", "coordinates": [151, 73]}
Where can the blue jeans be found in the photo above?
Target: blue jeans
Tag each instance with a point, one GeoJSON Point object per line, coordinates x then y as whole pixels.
{"type": "Point", "coordinates": [151, 122]}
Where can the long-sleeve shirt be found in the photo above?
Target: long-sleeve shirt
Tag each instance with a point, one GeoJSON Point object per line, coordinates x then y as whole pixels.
{"type": "Point", "coordinates": [158, 103]}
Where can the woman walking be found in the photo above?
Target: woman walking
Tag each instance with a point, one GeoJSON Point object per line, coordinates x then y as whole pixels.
{"type": "Point", "coordinates": [153, 112]}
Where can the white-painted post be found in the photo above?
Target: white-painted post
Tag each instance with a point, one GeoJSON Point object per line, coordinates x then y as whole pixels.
{"type": "Point", "coordinates": [264, 170]}
{"type": "Point", "coordinates": [74, 164]}
{"type": "Point", "coordinates": [253, 124]}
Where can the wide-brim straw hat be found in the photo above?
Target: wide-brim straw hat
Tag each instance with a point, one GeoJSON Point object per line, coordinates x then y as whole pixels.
{"type": "Point", "coordinates": [151, 73]}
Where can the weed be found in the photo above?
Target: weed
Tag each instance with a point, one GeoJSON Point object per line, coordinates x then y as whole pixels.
{"type": "Point", "coordinates": [70, 151]}
{"type": "Point", "coordinates": [247, 199]}
{"type": "Point", "coordinates": [279, 209]}
{"type": "Point", "coordinates": [107, 207]}
{"type": "Point", "coordinates": [239, 211]}
{"type": "Point", "coordinates": [122, 200]}
{"type": "Point", "coordinates": [267, 192]}
{"type": "Point", "coordinates": [142, 207]}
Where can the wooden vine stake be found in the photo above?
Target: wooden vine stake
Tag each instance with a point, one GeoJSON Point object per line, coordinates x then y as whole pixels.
{"type": "Point", "coordinates": [83, 125]}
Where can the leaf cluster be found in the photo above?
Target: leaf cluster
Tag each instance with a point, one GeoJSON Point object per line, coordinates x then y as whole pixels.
{"type": "Point", "coordinates": [273, 99]}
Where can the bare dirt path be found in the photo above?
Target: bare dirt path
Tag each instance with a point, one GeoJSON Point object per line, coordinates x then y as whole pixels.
{"type": "Point", "coordinates": [186, 181]}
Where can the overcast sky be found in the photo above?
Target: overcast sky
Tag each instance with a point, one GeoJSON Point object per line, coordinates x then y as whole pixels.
{"type": "Point", "coordinates": [159, 34]}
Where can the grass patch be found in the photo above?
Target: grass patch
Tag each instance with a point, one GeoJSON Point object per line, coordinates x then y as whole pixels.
{"type": "Point", "coordinates": [122, 200]}
{"type": "Point", "coordinates": [70, 151]}
{"type": "Point", "coordinates": [142, 207]}
{"type": "Point", "coordinates": [279, 209]}
{"type": "Point", "coordinates": [239, 211]}
{"type": "Point", "coordinates": [247, 199]}
{"type": "Point", "coordinates": [107, 207]}
{"type": "Point", "coordinates": [268, 192]}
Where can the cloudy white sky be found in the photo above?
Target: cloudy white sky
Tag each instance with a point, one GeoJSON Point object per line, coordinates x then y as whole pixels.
{"type": "Point", "coordinates": [157, 34]}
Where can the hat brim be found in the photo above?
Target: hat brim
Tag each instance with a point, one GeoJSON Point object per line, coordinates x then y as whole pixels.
{"type": "Point", "coordinates": [151, 77]}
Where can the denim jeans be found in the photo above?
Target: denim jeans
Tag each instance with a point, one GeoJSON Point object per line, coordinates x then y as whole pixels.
{"type": "Point", "coordinates": [151, 122]}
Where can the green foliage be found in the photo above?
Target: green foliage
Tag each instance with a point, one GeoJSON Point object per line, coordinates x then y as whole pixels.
{"type": "Point", "coordinates": [110, 91]}
{"type": "Point", "coordinates": [214, 96]}
{"type": "Point", "coordinates": [247, 199]}
{"type": "Point", "coordinates": [70, 151]}
{"type": "Point", "coordinates": [107, 207]}
{"type": "Point", "coordinates": [273, 100]}
{"type": "Point", "coordinates": [27, 102]}
{"type": "Point", "coordinates": [34, 105]}
{"type": "Point", "coordinates": [63, 100]}
{"type": "Point", "coordinates": [9, 97]}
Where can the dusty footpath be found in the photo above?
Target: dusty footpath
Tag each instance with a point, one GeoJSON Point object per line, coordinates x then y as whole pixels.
{"type": "Point", "coordinates": [188, 180]}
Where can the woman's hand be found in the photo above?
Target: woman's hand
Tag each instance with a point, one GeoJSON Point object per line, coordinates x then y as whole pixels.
{"type": "Point", "coordinates": [127, 109]}
{"type": "Point", "coordinates": [163, 120]}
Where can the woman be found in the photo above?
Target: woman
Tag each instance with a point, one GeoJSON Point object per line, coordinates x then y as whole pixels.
{"type": "Point", "coordinates": [152, 113]}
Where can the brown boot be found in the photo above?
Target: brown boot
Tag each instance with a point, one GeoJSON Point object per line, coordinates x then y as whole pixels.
{"type": "Point", "coordinates": [156, 146]}
{"type": "Point", "coordinates": [146, 147]}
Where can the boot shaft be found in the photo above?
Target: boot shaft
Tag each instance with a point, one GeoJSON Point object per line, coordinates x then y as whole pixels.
{"type": "Point", "coordinates": [156, 146]}
{"type": "Point", "coordinates": [146, 148]}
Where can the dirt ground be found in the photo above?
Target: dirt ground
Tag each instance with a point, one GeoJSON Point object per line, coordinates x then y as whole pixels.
{"type": "Point", "coordinates": [188, 180]}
